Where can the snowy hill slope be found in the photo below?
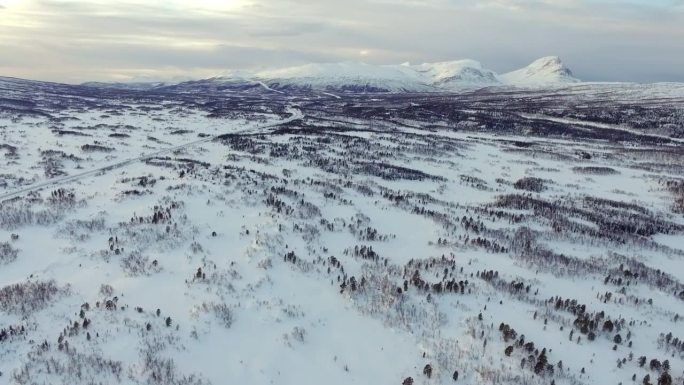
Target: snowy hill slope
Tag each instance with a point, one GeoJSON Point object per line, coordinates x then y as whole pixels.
{"type": "Point", "coordinates": [455, 74]}
{"type": "Point", "coordinates": [548, 70]}
{"type": "Point", "coordinates": [344, 76]}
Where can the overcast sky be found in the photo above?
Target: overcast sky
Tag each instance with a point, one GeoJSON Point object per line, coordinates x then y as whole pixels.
{"type": "Point", "coordinates": [74, 41]}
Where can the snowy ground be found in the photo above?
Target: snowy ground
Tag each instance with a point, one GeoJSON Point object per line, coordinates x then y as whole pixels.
{"type": "Point", "coordinates": [275, 239]}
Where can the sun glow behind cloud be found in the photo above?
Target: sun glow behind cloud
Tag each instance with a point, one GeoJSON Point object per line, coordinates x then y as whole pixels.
{"type": "Point", "coordinates": [9, 3]}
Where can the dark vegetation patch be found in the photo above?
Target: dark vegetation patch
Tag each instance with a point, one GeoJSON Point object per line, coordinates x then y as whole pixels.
{"type": "Point", "coordinates": [612, 223]}
{"type": "Point", "coordinates": [96, 148]}
{"type": "Point", "coordinates": [8, 253]}
{"type": "Point", "coordinates": [10, 151]}
{"type": "Point", "coordinates": [530, 184]}
{"type": "Point", "coordinates": [181, 132]}
{"type": "Point", "coordinates": [136, 192]}
{"type": "Point", "coordinates": [676, 189]}
{"type": "Point", "coordinates": [391, 172]}
{"type": "Point", "coordinates": [53, 162]}
{"type": "Point", "coordinates": [69, 132]}
{"type": "Point", "coordinates": [28, 297]}
{"type": "Point", "coordinates": [174, 163]}
{"type": "Point", "coordinates": [595, 170]}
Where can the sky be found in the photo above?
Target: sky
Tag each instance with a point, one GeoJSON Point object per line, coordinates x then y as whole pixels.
{"type": "Point", "coordinates": [74, 41]}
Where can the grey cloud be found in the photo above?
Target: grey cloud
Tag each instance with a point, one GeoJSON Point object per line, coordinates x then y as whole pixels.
{"type": "Point", "coordinates": [599, 40]}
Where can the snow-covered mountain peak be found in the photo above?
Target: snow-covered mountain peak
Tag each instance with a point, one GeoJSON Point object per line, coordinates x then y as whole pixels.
{"type": "Point", "coordinates": [446, 67]}
{"type": "Point", "coordinates": [439, 76]}
{"type": "Point", "coordinates": [553, 61]}
{"type": "Point", "coordinates": [234, 75]}
{"type": "Point", "coordinates": [543, 71]}
{"type": "Point", "coordinates": [361, 77]}
{"type": "Point", "coordinates": [457, 72]}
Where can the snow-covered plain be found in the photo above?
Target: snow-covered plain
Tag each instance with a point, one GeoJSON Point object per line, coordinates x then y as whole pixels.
{"type": "Point", "coordinates": [259, 237]}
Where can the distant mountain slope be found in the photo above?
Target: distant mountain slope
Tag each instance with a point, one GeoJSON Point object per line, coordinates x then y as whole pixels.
{"type": "Point", "coordinates": [362, 77]}
{"type": "Point", "coordinates": [454, 74]}
{"type": "Point", "coordinates": [128, 85]}
{"type": "Point", "coordinates": [548, 70]}
{"type": "Point", "coordinates": [346, 76]}
{"type": "Point", "coordinates": [141, 83]}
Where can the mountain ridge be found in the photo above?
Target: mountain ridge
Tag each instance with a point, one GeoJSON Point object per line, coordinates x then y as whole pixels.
{"type": "Point", "coordinates": [352, 76]}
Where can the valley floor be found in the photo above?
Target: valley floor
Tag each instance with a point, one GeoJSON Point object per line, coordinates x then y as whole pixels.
{"type": "Point", "coordinates": [288, 244]}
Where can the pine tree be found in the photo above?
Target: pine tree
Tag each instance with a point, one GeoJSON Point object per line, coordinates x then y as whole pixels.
{"type": "Point", "coordinates": [665, 379]}
{"type": "Point", "coordinates": [427, 370]}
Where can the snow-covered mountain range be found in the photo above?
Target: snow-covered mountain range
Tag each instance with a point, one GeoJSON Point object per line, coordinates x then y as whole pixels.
{"type": "Point", "coordinates": [362, 77]}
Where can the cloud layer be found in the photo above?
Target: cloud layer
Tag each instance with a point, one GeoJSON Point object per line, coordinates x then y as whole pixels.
{"type": "Point", "coordinates": [75, 40]}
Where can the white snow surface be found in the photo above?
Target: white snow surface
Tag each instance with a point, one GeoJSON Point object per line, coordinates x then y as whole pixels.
{"type": "Point", "coordinates": [240, 312]}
